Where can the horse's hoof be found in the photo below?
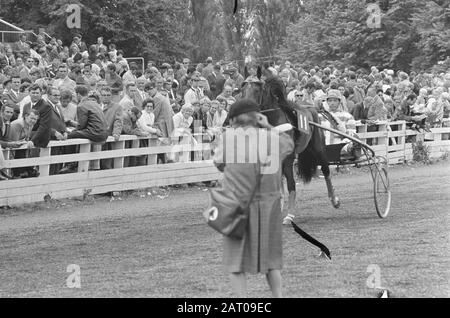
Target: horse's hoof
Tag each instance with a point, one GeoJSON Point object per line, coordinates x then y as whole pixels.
{"type": "Point", "coordinates": [287, 220]}
{"type": "Point", "coordinates": [336, 202]}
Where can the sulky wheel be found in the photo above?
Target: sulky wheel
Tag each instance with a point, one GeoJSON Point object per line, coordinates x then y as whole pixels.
{"type": "Point", "coordinates": [382, 192]}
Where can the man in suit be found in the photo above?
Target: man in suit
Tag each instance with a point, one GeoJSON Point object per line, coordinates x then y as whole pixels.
{"type": "Point", "coordinates": [92, 123]}
{"type": "Point", "coordinates": [163, 111]}
{"type": "Point", "coordinates": [216, 81]}
{"type": "Point", "coordinates": [22, 45]}
{"type": "Point", "coordinates": [114, 117]}
{"type": "Point", "coordinates": [58, 129]}
{"type": "Point", "coordinates": [42, 130]}
{"type": "Point", "coordinates": [13, 95]}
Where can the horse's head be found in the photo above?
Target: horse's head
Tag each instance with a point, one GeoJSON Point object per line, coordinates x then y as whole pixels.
{"type": "Point", "coordinates": [253, 89]}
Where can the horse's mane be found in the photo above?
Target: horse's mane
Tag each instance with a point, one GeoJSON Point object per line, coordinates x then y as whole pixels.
{"type": "Point", "coordinates": [276, 86]}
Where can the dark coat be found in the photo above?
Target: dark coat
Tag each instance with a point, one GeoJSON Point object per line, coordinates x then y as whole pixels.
{"type": "Point", "coordinates": [216, 84]}
{"type": "Point", "coordinates": [41, 134]}
{"type": "Point", "coordinates": [92, 123]}
{"type": "Point", "coordinates": [114, 117]}
{"type": "Point", "coordinates": [260, 250]}
{"type": "Point", "coordinates": [57, 123]}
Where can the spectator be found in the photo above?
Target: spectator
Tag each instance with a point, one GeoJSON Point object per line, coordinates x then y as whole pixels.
{"type": "Point", "coordinates": [64, 82]}
{"type": "Point", "coordinates": [185, 81]}
{"type": "Point", "coordinates": [129, 99]}
{"type": "Point", "coordinates": [130, 120]}
{"type": "Point", "coordinates": [12, 95]}
{"type": "Point", "coordinates": [42, 129]}
{"type": "Point", "coordinates": [227, 94]}
{"type": "Point", "coordinates": [216, 81]}
{"type": "Point", "coordinates": [57, 122]}
{"type": "Point", "coordinates": [147, 120]}
{"type": "Point", "coordinates": [22, 45]}
{"type": "Point", "coordinates": [114, 118]}
{"type": "Point", "coordinates": [377, 111]}
{"type": "Point", "coordinates": [130, 75]}
{"type": "Point", "coordinates": [6, 141]}
{"type": "Point", "coordinates": [101, 48]}
{"type": "Point", "coordinates": [208, 69]}
{"type": "Point", "coordinates": [68, 109]}
{"type": "Point", "coordinates": [221, 114]}
{"type": "Point", "coordinates": [112, 79]}
{"type": "Point", "coordinates": [92, 123]}
{"type": "Point", "coordinates": [163, 111]}
{"type": "Point", "coordinates": [194, 93]}
{"type": "Point", "coordinates": [404, 111]}
{"type": "Point", "coordinates": [435, 108]}
{"type": "Point", "coordinates": [140, 83]}
{"type": "Point", "coordinates": [182, 133]}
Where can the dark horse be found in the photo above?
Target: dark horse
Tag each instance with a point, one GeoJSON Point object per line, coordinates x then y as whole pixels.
{"type": "Point", "coordinates": [270, 94]}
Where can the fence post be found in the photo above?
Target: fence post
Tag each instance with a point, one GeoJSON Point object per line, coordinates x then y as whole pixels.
{"type": "Point", "coordinates": [152, 159]}
{"type": "Point", "coordinates": [44, 170]}
{"type": "Point", "coordinates": [383, 140]}
{"type": "Point", "coordinates": [118, 162]}
{"type": "Point", "coordinates": [95, 164]}
{"type": "Point", "coordinates": [83, 166]}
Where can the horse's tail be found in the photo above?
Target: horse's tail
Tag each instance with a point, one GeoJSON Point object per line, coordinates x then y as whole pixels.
{"type": "Point", "coordinates": [314, 154]}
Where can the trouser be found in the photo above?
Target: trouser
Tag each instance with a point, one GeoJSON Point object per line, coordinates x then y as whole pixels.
{"type": "Point", "coordinates": [107, 164]}
{"type": "Point", "coordinates": [2, 159]}
{"type": "Point", "coordinates": [135, 161]}
{"type": "Point", "coordinates": [23, 154]}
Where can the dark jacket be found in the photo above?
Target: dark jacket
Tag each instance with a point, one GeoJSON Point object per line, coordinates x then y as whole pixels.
{"type": "Point", "coordinates": [216, 84]}
{"type": "Point", "coordinates": [114, 117]}
{"type": "Point", "coordinates": [91, 121]}
{"type": "Point", "coordinates": [42, 130]}
{"type": "Point", "coordinates": [57, 122]}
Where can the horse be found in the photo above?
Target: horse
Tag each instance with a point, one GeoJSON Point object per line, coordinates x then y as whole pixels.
{"type": "Point", "coordinates": [271, 97]}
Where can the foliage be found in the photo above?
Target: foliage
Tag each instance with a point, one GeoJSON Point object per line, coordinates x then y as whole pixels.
{"type": "Point", "coordinates": [421, 152]}
{"type": "Point", "coordinates": [412, 33]}
{"type": "Point", "coordinates": [150, 28]}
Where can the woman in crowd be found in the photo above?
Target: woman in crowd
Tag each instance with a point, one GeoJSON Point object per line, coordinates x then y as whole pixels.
{"type": "Point", "coordinates": [147, 120]}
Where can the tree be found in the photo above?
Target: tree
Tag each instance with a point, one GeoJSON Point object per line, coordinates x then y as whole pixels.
{"type": "Point", "coordinates": [150, 28]}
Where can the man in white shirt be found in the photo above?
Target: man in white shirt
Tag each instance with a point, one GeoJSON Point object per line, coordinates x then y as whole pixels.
{"type": "Point", "coordinates": [194, 93]}
{"type": "Point", "coordinates": [64, 82]}
{"type": "Point", "coordinates": [130, 75]}
{"type": "Point", "coordinates": [128, 100]}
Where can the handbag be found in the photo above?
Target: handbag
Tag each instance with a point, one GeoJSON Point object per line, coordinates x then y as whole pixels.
{"type": "Point", "coordinates": [227, 216]}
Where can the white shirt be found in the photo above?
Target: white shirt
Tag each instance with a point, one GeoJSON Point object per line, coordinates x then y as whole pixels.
{"type": "Point", "coordinates": [193, 95]}
{"type": "Point", "coordinates": [180, 124]}
{"type": "Point", "coordinates": [218, 120]}
{"type": "Point", "coordinates": [146, 122]}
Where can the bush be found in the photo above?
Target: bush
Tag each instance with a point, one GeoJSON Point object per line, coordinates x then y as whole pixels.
{"type": "Point", "coordinates": [421, 152]}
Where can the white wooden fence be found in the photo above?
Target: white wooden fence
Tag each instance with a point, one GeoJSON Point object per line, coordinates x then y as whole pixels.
{"type": "Point", "coordinates": [90, 180]}
{"type": "Point", "coordinates": [390, 139]}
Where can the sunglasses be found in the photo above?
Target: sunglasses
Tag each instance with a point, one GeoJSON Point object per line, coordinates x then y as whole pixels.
{"type": "Point", "coordinates": [298, 95]}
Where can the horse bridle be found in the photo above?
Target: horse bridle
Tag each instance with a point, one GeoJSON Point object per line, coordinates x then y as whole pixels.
{"type": "Point", "coordinates": [260, 101]}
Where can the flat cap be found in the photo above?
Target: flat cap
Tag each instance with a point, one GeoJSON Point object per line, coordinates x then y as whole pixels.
{"type": "Point", "coordinates": [242, 107]}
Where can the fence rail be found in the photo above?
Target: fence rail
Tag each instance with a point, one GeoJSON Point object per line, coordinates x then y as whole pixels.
{"type": "Point", "coordinates": [90, 179]}
{"type": "Point", "coordinates": [14, 36]}
{"type": "Point", "coordinates": [390, 140]}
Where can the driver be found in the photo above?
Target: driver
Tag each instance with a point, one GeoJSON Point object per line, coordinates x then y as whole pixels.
{"type": "Point", "coordinates": [343, 121]}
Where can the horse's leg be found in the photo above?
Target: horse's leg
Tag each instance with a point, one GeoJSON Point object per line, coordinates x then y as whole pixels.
{"type": "Point", "coordinates": [288, 172]}
{"type": "Point", "coordinates": [331, 191]}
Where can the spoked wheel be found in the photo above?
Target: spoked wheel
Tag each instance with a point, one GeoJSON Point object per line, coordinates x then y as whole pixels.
{"type": "Point", "coordinates": [382, 192]}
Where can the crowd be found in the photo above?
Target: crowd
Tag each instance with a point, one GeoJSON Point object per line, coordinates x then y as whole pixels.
{"type": "Point", "coordinates": [49, 91]}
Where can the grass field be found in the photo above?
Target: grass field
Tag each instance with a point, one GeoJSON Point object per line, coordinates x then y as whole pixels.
{"type": "Point", "coordinates": [150, 246]}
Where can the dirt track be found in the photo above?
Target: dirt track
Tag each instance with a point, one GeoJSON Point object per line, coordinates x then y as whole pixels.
{"type": "Point", "coordinates": [145, 246]}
